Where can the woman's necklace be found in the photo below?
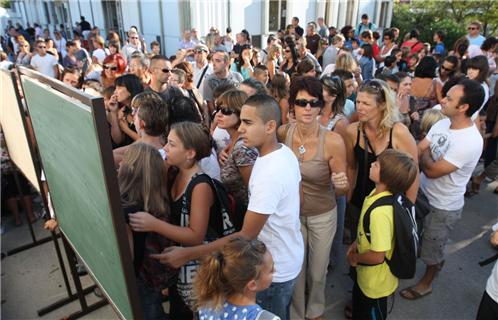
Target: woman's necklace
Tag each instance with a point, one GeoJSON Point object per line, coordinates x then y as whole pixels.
{"type": "Point", "coordinates": [301, 149]}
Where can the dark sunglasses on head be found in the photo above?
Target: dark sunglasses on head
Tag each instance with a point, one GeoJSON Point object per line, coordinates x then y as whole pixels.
{"type": "Point", "coordinates": [315, 103]}
{"type": "Point", "coordinates": [166, 70]}
{"type": "Point", "coordinates": [111, 68]}
{"type": "Point", "coordinates": [224, 111]}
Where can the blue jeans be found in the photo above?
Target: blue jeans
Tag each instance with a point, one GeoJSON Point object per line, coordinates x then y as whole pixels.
{"type": "Point", "coordinates": [151, 301]}
{"type": "Point", "coordinates": [277, 298]}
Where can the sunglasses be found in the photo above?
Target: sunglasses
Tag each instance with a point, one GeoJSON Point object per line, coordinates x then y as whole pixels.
{"type": "Point", "coordinates": [287, 50]}
{"type": "Point", "coordinates": [199, 51]}
{"type": "Point", "coordinates": [446, 69]}
{"type": "Point", "coordinates": [42, 47]}
{"type": "Point", "coordinates": [166, 70]}
{"type": "Point", "coordinates": [133, 37]}
{"type": "Point", "coordinates": [471, 28]}
{"type": "Point", "coordinates": [224, 111]}
{"type": "Point", "coordinates": [111, 68]}
{"type": "Point", "coordinates": [315, 103]}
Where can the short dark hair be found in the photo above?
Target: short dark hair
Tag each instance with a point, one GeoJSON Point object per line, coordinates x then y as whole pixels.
{"type": "Point", "coordinates": [392, 77]}
{"type": "Point", "coordinates": [489, 43]}
{"type": "Point", "coordinates": [364, 16]}
{"type": "Point", "coordinates": [256, 85]}
{"type": "Point", "coordinates": [450, 83]}
{"type": "Point", "coordinates": [343, 74]}
{"type": "Point", "coordinates": [158, 57]}
{"type": "Point", "coordinates": [414, 34]}
{"type": "Point", "coordinates": [390, 34]}
{"type": "Point", "coordinates": [426, 68]}
{"type": "Point", "coordinates": [441, 34]}
{"type": "Point", "coordinates": [183, 109]}
{"type": "Point", "coordinates": [154, 43]}
{"type": "Point", "coordinates": [389, 61]}
{"type": "Point", "coordinates": [480, 63]}
{"type": "Point", "coordinates": [296, 18]}
{"type": "Point", "coordinates": [398, 170]}
{"type": "Point", "coordinates": [266, 106]}
{"type": "Point", "coordinates": [311, 85]}
{"type": "Point", "coordinates": [271, 38]}
{"type": "Point", "coordinates": [131, 82]}
{"type": "Point", "coordinates": [473, 95]}
{"type": "Point", "coordinates": [70, 43]}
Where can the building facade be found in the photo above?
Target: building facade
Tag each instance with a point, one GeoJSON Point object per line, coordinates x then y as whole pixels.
{"type": "Point", "coordinates": [164, 21]}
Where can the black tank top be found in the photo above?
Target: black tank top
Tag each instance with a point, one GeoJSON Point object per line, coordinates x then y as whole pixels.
{"type": "Point", "coordinates": [364, 185]}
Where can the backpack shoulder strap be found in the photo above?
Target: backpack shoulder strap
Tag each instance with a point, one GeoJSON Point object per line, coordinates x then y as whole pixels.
{"type": "Point", "coordinates": [202, 76]}
{"type": "Point", "coordinates": [384, 201]}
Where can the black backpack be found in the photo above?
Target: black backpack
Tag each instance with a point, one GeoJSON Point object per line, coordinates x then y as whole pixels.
{"type": "Point", "coordinates": [404, 258]}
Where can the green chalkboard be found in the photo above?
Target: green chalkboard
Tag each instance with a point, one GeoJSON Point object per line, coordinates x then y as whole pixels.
{"type": "Point", "coordinates": [72, 156]}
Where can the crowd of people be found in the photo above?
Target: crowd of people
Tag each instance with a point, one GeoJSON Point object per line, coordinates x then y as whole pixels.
{"type": "Point", "coordinates": [301, 137]}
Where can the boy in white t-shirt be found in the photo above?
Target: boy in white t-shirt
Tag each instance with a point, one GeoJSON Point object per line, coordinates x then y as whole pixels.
{"type": "Point", "coordinates": [448, 155]}
{"type": "Point", "coordinates": [273, 212]}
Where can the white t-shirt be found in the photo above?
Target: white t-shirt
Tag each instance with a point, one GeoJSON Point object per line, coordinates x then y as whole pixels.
{"type": "Point", "coordinates": [210, 166]}
{"type": "Point", "coordinates": [44, 65]}
{"type": "Point", "coordinates": [198, 73]}
{"type": "Point", "coordinates": [492, 284]}
{"type": "Point", "coordinates": [462, 148]}
{"type": "Point", "coordinates": [274, 190]}
{"type": "Point", "coordinates": [221, 138]}
{"type": "Point", "coordinates": [100, 54]}
{"type": "Point", "coordinates": [486, 98]}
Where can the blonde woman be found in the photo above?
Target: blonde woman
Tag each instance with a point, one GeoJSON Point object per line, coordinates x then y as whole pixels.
{"type": "Point", "coordinates": [378, 129]}
{"type": "Point", "coordinates": [273, 60]}
{"type": "Point", "coordinates": [24, 54]}
{"type": "Point", "coordinates": [345, 61]}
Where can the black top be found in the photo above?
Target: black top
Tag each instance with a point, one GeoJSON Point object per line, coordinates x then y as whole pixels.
{"type": "Point", "coordinates": [180, 209]}
{"type": "Point", "coordinates": [364, 185]}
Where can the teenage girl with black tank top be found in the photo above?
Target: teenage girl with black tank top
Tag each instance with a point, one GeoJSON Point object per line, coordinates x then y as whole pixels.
{"type": "Point", "coordinates": [378, 129]}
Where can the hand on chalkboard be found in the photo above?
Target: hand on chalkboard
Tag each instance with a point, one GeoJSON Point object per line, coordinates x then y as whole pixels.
{"type": "Point", "coordinates": [143, 222]}
{"type": "Point", "coordinates": [175, 257]}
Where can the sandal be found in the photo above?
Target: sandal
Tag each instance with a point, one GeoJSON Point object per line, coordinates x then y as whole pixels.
{"type": "Point", "coordinates": [411, 294]}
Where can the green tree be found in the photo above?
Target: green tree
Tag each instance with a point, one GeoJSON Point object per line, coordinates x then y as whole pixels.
{"type": "Point", "coordinates": [452, 17]}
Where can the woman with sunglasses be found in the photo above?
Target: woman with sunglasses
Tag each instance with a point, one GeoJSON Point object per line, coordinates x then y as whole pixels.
{"type": "Point", "coordinates": [291, 58]}
{"type": "Point", "coordinates": [322, 162]}
{"type": "Point", "coordinates": [378, 129]}
{"type": "Point", "coordinates": [236, 160]}
{"type": "Point", "coordinates": [120, 116]}
{"type": "Point", "coordinates": [114, 66]}
{"type": "Point", "coordinates": [24, 54]}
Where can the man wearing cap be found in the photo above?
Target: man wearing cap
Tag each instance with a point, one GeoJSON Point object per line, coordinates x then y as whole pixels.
{"type": "Point", "coordinates": [202, 67]}
{"type": "Point", "coordinates": [364, 25]}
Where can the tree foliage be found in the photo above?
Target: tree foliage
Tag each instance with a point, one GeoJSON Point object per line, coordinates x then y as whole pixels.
{"type": "Point", "coordinates": [452, 17]}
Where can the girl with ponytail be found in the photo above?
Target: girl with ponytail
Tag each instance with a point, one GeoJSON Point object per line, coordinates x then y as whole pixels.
{"type": "Point", "coordinates": [227, 282]}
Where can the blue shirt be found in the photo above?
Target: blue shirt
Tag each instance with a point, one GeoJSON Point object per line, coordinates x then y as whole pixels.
{"type": "Point", "coordinates": [439, 49]}
{"type": "Point", "coordinates": [232, 312]}
{"type": "Point", "coordinates": [477, 41]}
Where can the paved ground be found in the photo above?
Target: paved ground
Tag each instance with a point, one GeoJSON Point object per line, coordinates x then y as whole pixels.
{"type": "Point", "coordinates": [32, 280]}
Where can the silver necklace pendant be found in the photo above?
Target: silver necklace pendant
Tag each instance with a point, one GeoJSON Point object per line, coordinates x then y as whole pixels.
{"type": "Point", "coordinates": [301, 149]}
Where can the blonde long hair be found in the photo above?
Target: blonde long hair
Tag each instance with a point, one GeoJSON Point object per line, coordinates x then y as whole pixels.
{"type": "Point", "coordinates": [225, 273]}
{"type": "Point", "coordinates": [142, 179]}
{"type": "Point", "coordinates": [385, 101]}
{"type": "Point", "coordinates": [346, 62]}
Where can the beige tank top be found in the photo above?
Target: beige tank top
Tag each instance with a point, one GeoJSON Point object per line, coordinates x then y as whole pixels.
{"type": "Point", "coordinates": [319, 195]}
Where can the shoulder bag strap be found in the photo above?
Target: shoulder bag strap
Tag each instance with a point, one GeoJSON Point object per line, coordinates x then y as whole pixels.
{"type": "Point", "coordinates": [202, 76]}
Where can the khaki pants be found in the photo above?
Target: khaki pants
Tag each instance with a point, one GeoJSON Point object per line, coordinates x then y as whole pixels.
{"type": "Point", "coordinates": [318, 232]}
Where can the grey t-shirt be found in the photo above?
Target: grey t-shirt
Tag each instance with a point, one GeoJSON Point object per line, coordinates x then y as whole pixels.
{"type": "Point", "coordinates": [212, 82]}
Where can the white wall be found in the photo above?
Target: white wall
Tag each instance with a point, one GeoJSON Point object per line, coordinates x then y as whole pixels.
{"type": "Point", "coordinates": [151, 27]}
{"type": "Point", "coordinates": [172, 32]}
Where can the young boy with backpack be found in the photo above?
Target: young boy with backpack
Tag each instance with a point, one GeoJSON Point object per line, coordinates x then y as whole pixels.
{"type": "Point", "coordinates": [381, 253]}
